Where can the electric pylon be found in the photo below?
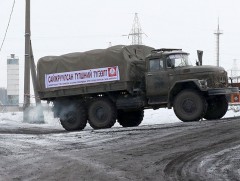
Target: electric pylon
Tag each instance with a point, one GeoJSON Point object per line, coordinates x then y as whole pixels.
{"type": "Point", "coordinates": [136, 31]}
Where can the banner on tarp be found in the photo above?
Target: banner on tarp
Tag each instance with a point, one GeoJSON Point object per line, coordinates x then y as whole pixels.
{"type": "Point", "coordinates": [89, 76]}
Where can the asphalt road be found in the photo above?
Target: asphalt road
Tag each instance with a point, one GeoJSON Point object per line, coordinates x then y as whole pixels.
{"type": "Point", "coordinates": [206, 150]}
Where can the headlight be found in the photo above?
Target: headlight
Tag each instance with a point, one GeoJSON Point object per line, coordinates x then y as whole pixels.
{"type": "Point", "coordinates": [222, 80]}
{"type": "Point", "coordinates": [203, 83]}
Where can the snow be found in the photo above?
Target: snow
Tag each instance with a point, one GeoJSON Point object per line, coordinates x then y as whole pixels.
{"type": "Point", "coordinates": [161, 116]}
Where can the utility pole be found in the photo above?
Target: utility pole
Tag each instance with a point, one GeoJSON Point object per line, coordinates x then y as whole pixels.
{"type": "Point", "coordinates": [26, 104]}
{"type": "Point", "coordinates": [218, 33]}
{"type": "Point", "coordinates": [30, 65]}
{"type": "Point", "coordinates": [39, 117]}
{"type": "Point", "coordinates": [34, 76]}
{"type": "Point", "coordinates": [235, 71]}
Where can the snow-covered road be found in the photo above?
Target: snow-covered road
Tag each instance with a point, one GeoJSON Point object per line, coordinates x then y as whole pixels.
{"type": "Point", "coordinates": [163, 148]}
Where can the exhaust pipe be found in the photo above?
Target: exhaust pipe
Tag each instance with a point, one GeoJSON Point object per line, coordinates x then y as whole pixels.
{"type": "Point", "coordinates": [200, 54]}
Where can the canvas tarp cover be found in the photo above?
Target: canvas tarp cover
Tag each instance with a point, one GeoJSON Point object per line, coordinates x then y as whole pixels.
{"type": "Point", "coordinates": [129, 59]}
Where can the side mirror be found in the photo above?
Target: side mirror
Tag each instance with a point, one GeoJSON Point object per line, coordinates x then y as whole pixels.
{"type": "Point", "coordinates": [231, 80]}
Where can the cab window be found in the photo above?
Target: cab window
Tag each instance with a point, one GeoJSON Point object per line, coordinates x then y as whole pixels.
{"type": "Point", "coordinates": [155, 65]}
{"type": "Point", "coordinates": [178, 60]}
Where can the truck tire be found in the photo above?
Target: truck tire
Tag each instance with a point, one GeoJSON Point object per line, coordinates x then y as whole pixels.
{"type": "Point", "coordinates": [130, 119]}
{"type": "Point", "coordinates": [73, 117]}
{"type": "Point", "coordinates": [217, 107]}
{"type": "Point", "coordinates": [102, 113]}
{"type": "Point", "coordinates": [189, 105]}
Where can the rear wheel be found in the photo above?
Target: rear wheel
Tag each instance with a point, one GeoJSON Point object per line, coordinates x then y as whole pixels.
{"type": "Point", "coordinates": [130, 118]}
{"type": "Point", "coordinates": [73, 117]}
{"type": "Point", "coordinates": [102, 113]}
{"type": "Point", "coordinates": [189, 105]}
{"type": "Point", "coordinates": [217, 107]}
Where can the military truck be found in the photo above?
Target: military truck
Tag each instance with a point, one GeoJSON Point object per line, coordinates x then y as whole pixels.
{"type": "Point", "coordinates": [118, 83]}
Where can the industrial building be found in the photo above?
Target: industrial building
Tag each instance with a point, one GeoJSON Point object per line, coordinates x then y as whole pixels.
{"type": "Point", "coordinates": [13, 80]}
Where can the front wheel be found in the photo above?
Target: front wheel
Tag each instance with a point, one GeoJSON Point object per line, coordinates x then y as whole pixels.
{"type": "Point", "coordinates": [102, 113]}
{"type": "Point", "coordinates": [189, 105]}
{"type": "Point", "coordinates": [217, 107]}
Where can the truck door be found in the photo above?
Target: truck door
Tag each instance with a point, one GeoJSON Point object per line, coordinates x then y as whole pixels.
{"type": "Point", "coordinates": [157, 80]}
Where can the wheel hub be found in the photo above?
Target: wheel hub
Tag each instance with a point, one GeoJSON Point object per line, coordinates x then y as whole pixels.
{"type": "Point", "coordinates": [100, 113]}
{"type": "Point", "coordinates": [189, 106]}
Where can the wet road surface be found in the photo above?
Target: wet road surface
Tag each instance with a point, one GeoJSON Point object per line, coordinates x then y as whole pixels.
{"type": "Point", "coordinates": [206, 150]}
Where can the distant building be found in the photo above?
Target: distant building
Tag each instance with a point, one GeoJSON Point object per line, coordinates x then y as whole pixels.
{"type": "Point", "coordinates": [13, 80]}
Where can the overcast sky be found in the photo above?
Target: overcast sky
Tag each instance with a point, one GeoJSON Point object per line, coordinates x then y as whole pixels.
{"type": "Point", "coordinates": [64, 26]}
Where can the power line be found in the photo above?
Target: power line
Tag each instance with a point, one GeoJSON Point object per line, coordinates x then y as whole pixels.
{"type": "Point", "coordinates": [7, 26]}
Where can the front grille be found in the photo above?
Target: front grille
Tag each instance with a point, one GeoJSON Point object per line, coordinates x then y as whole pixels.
{"type": "Point", "coordinates": [218, 80]}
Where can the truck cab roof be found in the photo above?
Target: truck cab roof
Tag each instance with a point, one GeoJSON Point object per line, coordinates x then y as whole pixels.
{"type": "Point", "coordinates": [166, 51]}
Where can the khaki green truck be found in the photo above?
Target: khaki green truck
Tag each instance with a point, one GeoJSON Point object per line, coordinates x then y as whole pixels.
{"type": "Point", "coordinates": [103, 86]}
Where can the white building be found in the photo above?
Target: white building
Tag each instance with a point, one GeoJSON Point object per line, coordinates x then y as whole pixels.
{"type": "Point", "coordinates": [13, 80]}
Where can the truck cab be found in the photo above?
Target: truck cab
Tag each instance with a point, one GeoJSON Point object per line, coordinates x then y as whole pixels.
{"type": "Point", "coordinates": [170, 74]}
{"type": "Point", "coordinates": [162, 68]}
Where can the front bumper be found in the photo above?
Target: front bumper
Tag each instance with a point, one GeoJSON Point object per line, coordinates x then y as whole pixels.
{"type": "Point", "coordinates": [223, 91]}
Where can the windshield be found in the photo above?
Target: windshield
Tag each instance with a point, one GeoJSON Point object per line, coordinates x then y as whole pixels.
{"type": "Point", "coordinates": [178, 60]}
